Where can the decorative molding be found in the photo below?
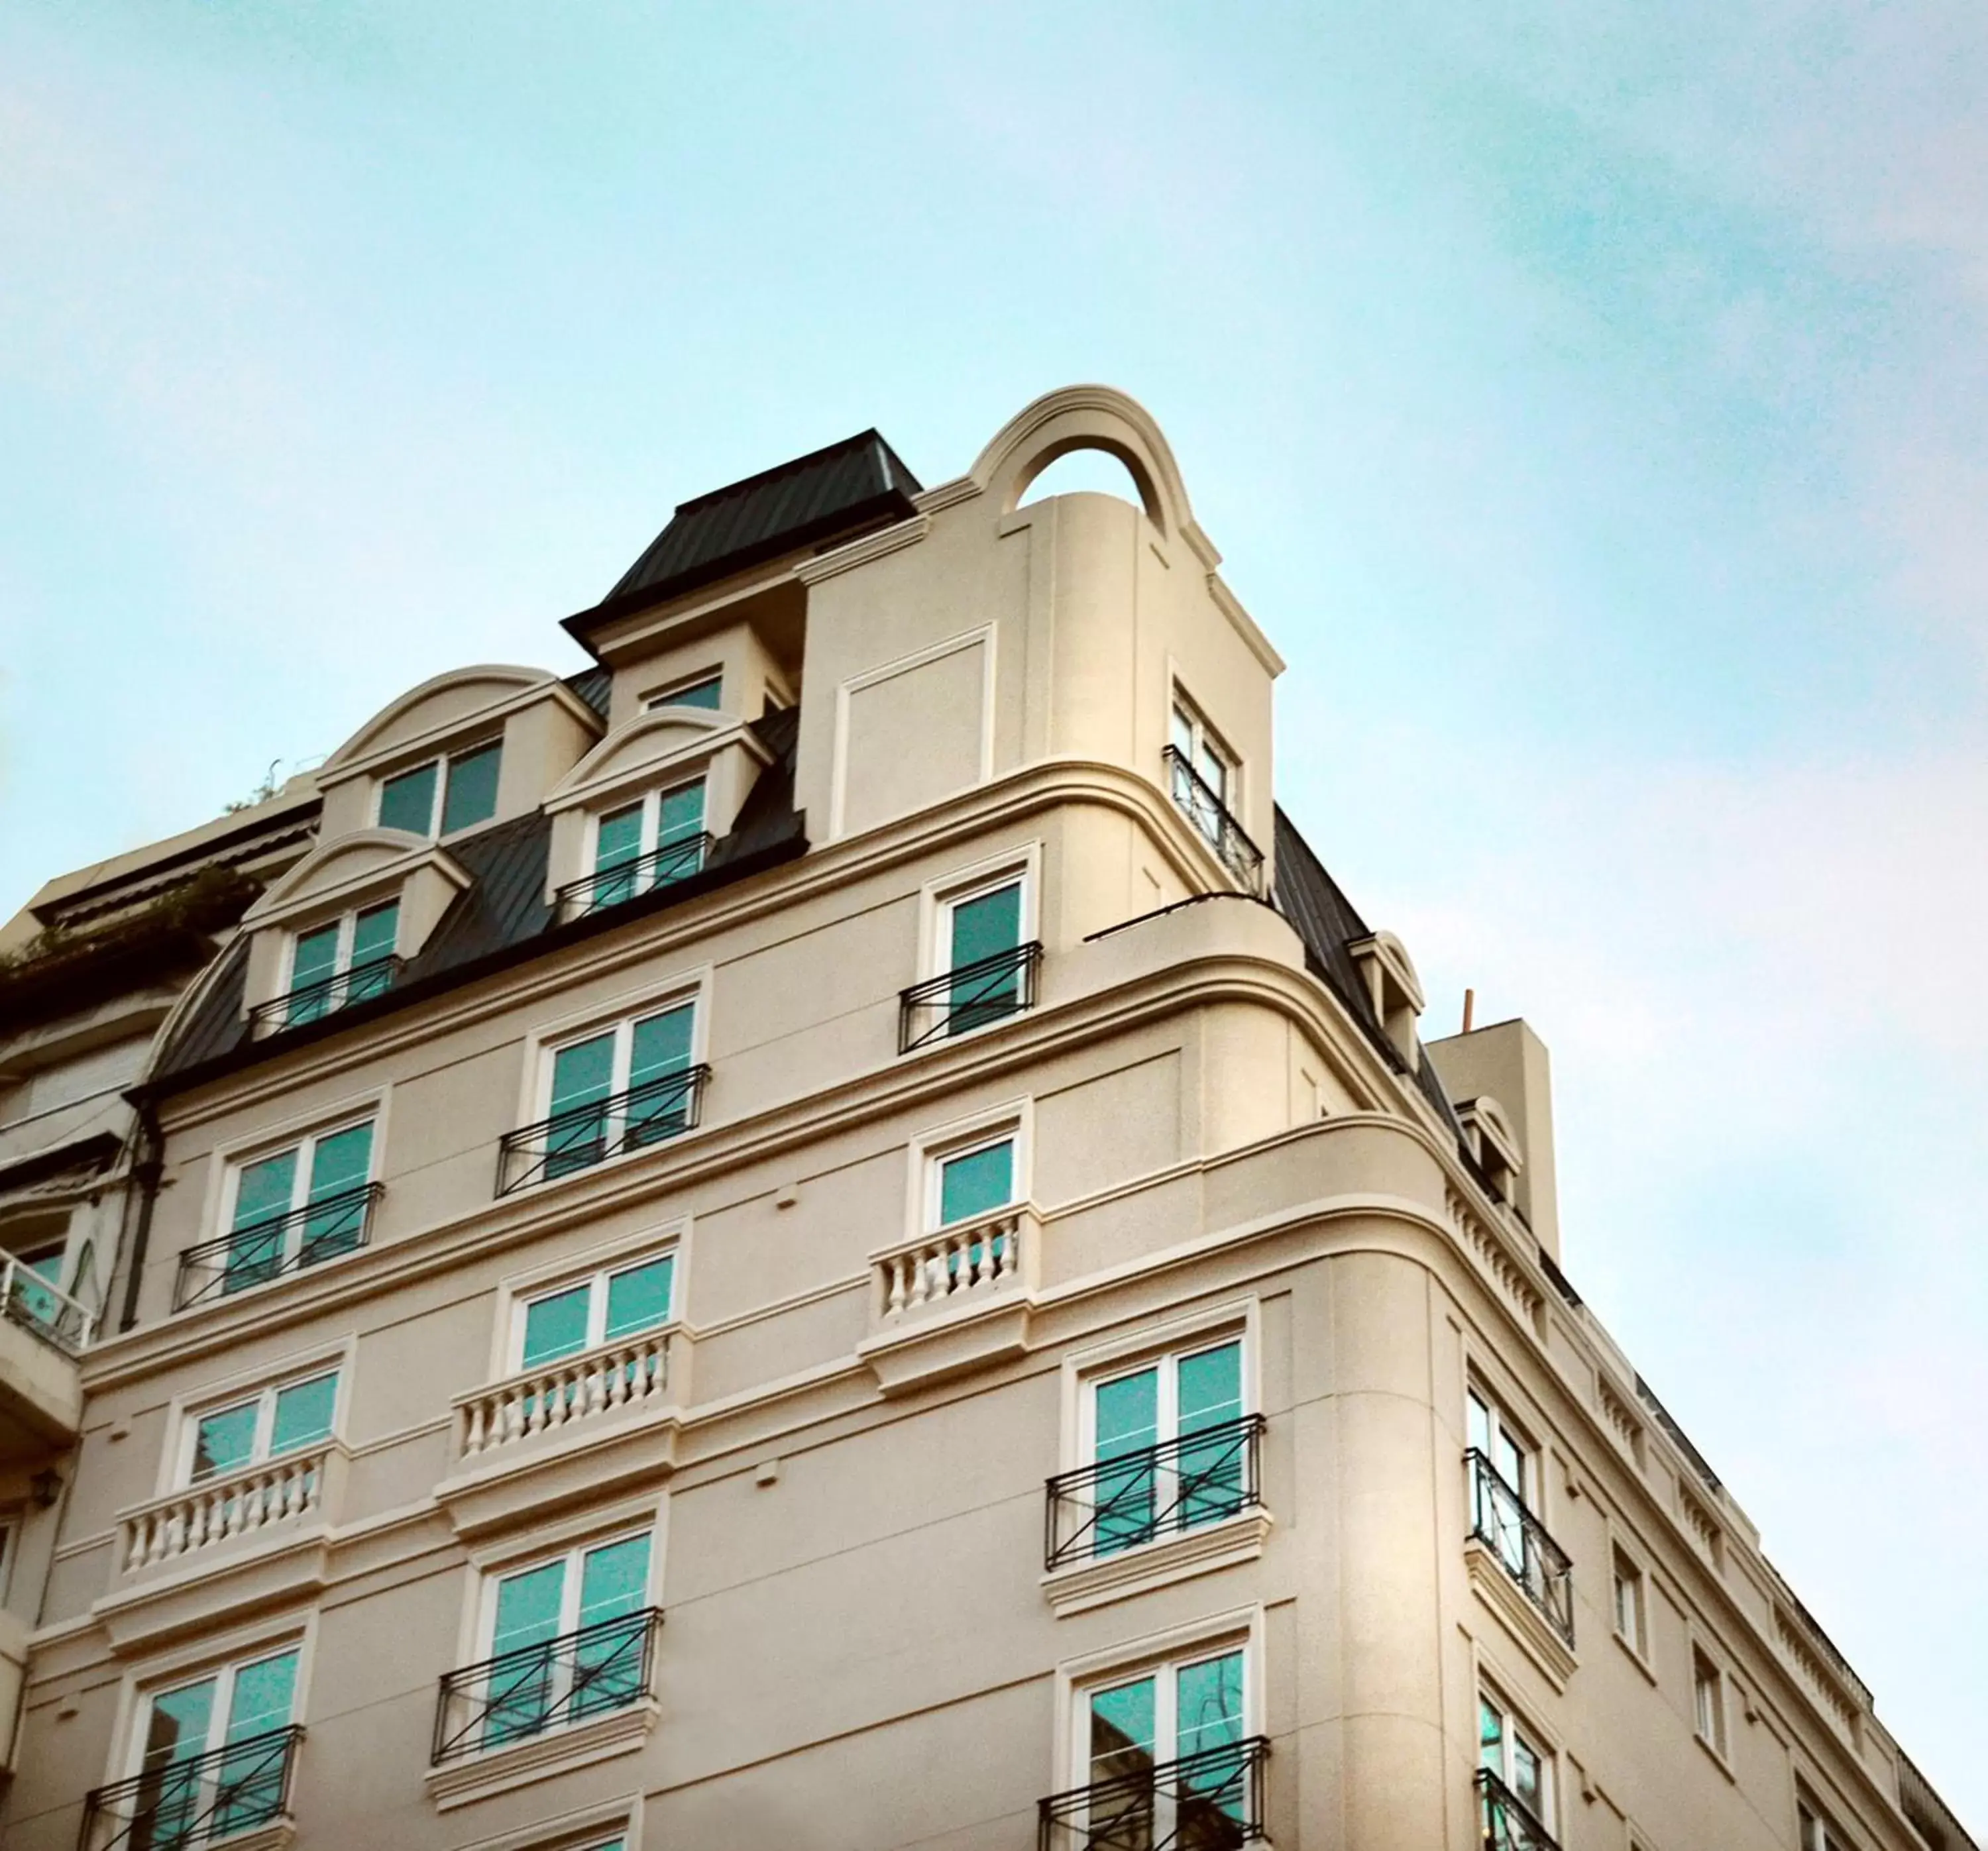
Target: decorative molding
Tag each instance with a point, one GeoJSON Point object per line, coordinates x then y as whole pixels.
{"type": "Point", "coordinates": [877, 545]}
{"type": "Point", "coordinates": [1619, 1418]}
{"type": "Point", "coordinates": [1836, 1702]}
{"type": "Point", "coordinates": [1496, 1259]}
{"type": "Point", "coordinates": [1492, 1583]}
{"type": "Point", "coordinates": [1082, 1585]}
{"type": "Point", "coordinates": [460, 1783]}
{"type": "Point", "coordinates": [1701, 1526]}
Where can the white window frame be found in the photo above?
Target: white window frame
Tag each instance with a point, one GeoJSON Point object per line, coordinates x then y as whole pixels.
{"type": "Point", "coordinates": [667, 694]}
{"type": "Point", "coordinates": [652, 801]}
{"type": "Point", "coordinates": [224, 1671]}
{"type": "Point", "coordinates": [304, 1143]}
{"type": "Point", "coordinates": [1518, 1722]}
{"type": "Point", "coordinates": [1816, 1829]}
{"type": "Point", "coordinates": [938, 899]}
{"type": "Point", "coordinates": [571, 1554]}
{"type": "Point", "coordinates": [439, 802]}
{"type": "Point", "coordinates": [1076, 1679]}
{"type": "Point", "coordinates": [348, 929]}
{"type": "Point", "coordinates": [596, 1280]}
{"type": "Point", "coordinates": [264, 1395]}
{"type": "Point", "coordinates": [1502, 1423]}
{"type": "Point", "coordinates": [1166, 1362]}
{"type": "Point", "coordinates": [1718, 1736]}
{"type": "Point", "coordinates": [1205, 737]}
{"type": "Point", "coordinates": [1638, 1581]}
{"type": "Point", "coordinates": [936, 1161]}
{"type": "Point", "coordinates": [622, 1028]}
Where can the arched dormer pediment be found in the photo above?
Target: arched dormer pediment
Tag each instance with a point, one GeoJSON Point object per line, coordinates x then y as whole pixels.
{"type": "Point", "coordinates": [655, 744]}
{"type": "Point", "coordinates": [341, 884]}
{"type": "Point", "coordinates": [430, 713]}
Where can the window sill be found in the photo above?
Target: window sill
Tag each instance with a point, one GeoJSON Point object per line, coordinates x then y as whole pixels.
{"type": "Point", "coordinates": [1718, 1760]}
{"type": "Point", "coordinates": [1078, 1586]}
{"type": "Point", "coordinates": [1636, 1657]}
{"type": "Point", "coordinates": [1492, 1584]}
{"type": "Point", "coordinates": [462, 1783]}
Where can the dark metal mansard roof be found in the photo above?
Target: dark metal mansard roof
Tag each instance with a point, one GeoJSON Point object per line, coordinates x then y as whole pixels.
{"type": "Point", "coordinates": [500, 919]}
{"type": "Point", "coordinates": [830, 494]}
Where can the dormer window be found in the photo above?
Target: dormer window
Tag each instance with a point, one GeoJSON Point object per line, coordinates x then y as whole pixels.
{"type": "Point", "coordinates": [658, 839]}
{"type": "Point", "coordinates": [345, 961]}
{"type": "Point", "coordinates": [444, 794]}
{"type": "Point", "coordinates": [706, 690]}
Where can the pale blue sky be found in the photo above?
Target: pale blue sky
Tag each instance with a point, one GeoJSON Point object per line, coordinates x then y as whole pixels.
{"type": "Point", "coordinates": [1591, 400]}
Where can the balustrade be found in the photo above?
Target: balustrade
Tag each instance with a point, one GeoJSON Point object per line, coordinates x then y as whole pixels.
{"type": "Point", "coordinates": [628, 1373]}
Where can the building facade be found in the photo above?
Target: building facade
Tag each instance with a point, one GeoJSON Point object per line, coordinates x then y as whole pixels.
{"type": "Point", "coordinates": [831, 1234]}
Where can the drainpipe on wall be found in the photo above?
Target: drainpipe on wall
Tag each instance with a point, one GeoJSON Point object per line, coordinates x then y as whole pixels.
{"type": "Point", "coordinates": [145, 1173]}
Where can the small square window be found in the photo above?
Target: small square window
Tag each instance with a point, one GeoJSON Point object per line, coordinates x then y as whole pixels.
{"type": "Point", "coordinates": [976, 1182]}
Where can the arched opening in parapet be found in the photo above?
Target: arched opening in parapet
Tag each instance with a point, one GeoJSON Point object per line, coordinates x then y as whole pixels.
{"type": "Point", "coordinates": [1091, 468]}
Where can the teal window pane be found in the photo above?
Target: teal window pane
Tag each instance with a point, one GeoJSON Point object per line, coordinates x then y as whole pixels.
{"type": "Point", "coordinates": [1208, 1719]}
{"type": "Point", "coordinates": [582, 1075]}
{"type": "Point", "coordinates": [472, 796]}
{"type": "Point", "coordinates": [374, 934]}
{"type": "Point", "coordinates": [989, 923]}
{"type": "Point", "coordinates": [1210, 1387]}
{"type": "Point", "coordinates": [703, 694]}
{"type": "Point", "coordinates": [1490, 1738]}
{"type": "Point", "coordinates": [659, 1051]}
{"type": "Point", "coordinates": [34, 1300]}
{"type": "Point", "coordinates": [315, 956]}
{"type": "Point", "coordinates": [519, 1694]}
{"type": "Point", "coordinates": [680, 813]}
{"type": "Point", "coordinates": [1125, 1414]}
{"type": "Point", "coordinates": [528, 1608]}
{"type": "Point", "coordinates": [340, 1165]}
{"type": "Point", "coordinates": [249, 1790]}
{"type": "Point", "coordinates": [302, 1413]}
{"type": "Point", "coordinates": [177, 1729]}
{"type": "Point", "coordinates": [639, 1299]}
{"type": "Point", "coordinates": [264, 1692]}
{"type": "Point", "coordinates": [618, 837]}
{"type": "Point", "coordinates": [224, 1441]}
{"type": "Point", "coordinates": [341, 1161]}
{"type": "Point", "coordinates": [976, 1184]}
{"type": "Point", "coordinates": [263, 1195]}
{"type": "Point", "coordinates": [1122, 1725]}
{"type": "Point", "coordinates": [407, 801]}
{"type": "Point", "coordinates": [555, 1326]}
{"type": "Point", "coordinates": [607, 1666]}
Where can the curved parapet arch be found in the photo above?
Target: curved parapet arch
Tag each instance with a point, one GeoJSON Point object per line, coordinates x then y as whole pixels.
{"type": "Point", "coordinates": [439, 703]}
{"type": "Point", "coordinates": [334, 865]}
{"type": "Point", "coordinates": [1092, 417]}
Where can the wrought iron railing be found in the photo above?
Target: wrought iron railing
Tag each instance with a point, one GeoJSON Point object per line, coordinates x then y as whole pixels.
{"type": "Point", "coordinates": [1506, 1820]}
{"type": "Point", "coordinates": [988, 990]}
{"type": "Point", "coordinates": [520, 1694]}
{"type": "Point", "coordinates": [609, 886]}
{"type": "Point", "coordinates": [313, 1002]}
{"type": "Point", "coordinates": [1159, 1491]}
{"type": "Point", "coordinates": [262, 1250]}
{"type": "Point", "coordinates": [1199, 803]}
{"type": "Point", "coordinates": [1204, 1802]}
{"type": "Point", "coordinates": [183, 1805]}
{"type": "Point", "coordinates": [28, 1299]}
{"type": "Point", "coordinates": [1499, 1519]}
{"type": "Point", "coordinates": [582, 1136]}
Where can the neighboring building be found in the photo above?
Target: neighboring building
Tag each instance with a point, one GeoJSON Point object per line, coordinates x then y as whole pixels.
{"type": "Point", "coordinates": [831, 1234]}
{"type": "Point", "coordinates": [89, 970]}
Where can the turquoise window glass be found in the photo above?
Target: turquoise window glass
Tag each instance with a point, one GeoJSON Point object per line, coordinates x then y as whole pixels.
{"type": "Point", "coordinates": [617, 841]}
{"type": "Point", "coordinates": [977, 1183]}
{"type": "Point", "coordinates": [555, 1325]}
{"type": "Point", "coordinates": [613, 1586]}
{"type": "Point", "coordinates": [407, 801]}
{"type": "Point", "coordinates": [34, 1299]}
{"type": "Point", "coordinates": [1209, 1389]}
{"type": "Point", "coordinates": [224, 1440]}
{"type": "Point", "coordinates": [1208, 1710]}
{"type": "Point", "coordinates": [659, 1051]}
{"type": "Point", "coordinates": [340, 1165]}
{"type": "Point", "coordinates": [583, 1076]}
{"type": "Point", "coordinates": [639, 1298]}
{"type": "Point", "coordinates": [1122, 1727]}
{"type": "Point", "coordinates": [302, 1413]}
{"type": "Point", "coordinates": [374, 934]}
{"type": "Point", "coordinates": [176, 1732]}
{"type": "Point", "coordinates": [250, 1784]}
{"type": "Point", "coordinates": [264, 1194]}
{"type": "Point", "coordinates": [1126, 1413]}
{"type": "Point", "coordinates": [983, 927]}
{"type": "Point", "coordinates": [519, 1695]}
{"type": "Point", "coordinates": [680, 813]}
{"type": "Point", "coordinates": [471, 796]}
{"type": "Point", "coordinates": [703, 694]}
{"type": "Point", "coordinates": [313, 961]}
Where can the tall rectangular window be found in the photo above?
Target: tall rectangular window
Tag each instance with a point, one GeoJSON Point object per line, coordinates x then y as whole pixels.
{"type": "Point", "coordinates": [1189, 1716]}
{"type": "Point", "coordinates": [299, 1205]}
{"type": "Point", "coordinates": [212, 1767]}
{"type": "Point", "coordinates": [650, 843]}
{"type": "Point", "coordinates": [1707, 1692]}
{"type": "Point", "coordinates": [1168, 1438]}
{"type": "Point", "coordinates": [1203, 771]}
{"type": "Point", "coordinates": [1508, 1749]}
{"type": "Point", "coordinates": [982, 930]}
{"type": "Point", "coordinates": [1630, 1618]}
{"type": "Point", "coordinates": [621, 1089]}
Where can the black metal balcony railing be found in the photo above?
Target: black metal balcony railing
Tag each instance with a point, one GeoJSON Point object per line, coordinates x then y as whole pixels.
{"type": "Point", "coordinates": [976, 994]}
{"type": "Point", "coordinates": [519, 1694]}
{"type": "Point", "coordinates": [1507, 1821]}
{"type": "Point", "coordinates": [1205, 1802]}
{"type": "Point", "coordinates": [609, 886]}
{"type": "Point", "coordinates": [313, 1002]}
{"type": "Point", "coordinates": [185, 1805]}
{"type": "Point", "coordinates": [286, 1243]}
{"type": "Point", "coordinates": [1209, 815]}
{"type": "Point", "coordinates": [1499, 1519]}
{"type": "Point", "coordinates": [1159, 1491]}
{"type": "Point", "coordinates": [582, 1136]}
